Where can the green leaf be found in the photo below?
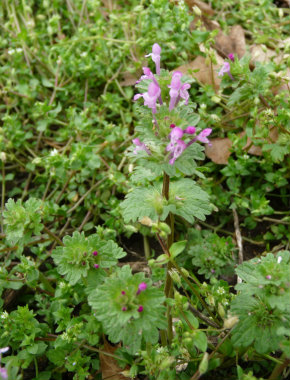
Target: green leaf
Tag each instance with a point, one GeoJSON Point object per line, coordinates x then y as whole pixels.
{"type": "Point", "coordinates": [177, 248]}
{"type": "Point", "coordinates": [76, 259]}
{"type": "Point", "coordinates": [189, 199]}
{"type": "Point", "coordinates": [200, 340]}
{"type": "Point", "coordinates": [22, 220]}
{"type": "Point", "coordinates": [128, 325]}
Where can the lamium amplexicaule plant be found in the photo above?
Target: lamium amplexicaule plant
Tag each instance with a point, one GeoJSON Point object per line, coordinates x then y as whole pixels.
{"type": "Point", "coordinates": [167, 322]}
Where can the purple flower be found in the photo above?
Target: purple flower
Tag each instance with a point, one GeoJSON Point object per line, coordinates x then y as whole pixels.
{"type": "Point", "coordinates": [190, 130]}
{"type": "Point", "coordinates": [231, 57]}
{"type": "Point", "coordinates": [177, 151]}
{"type": "Point", "coordinates": [96, 266]}
{"type": "Point", "coordinates": [3, 373]}
{"type": "Point", "coordinates": [174, 86]}
{"type": "Point", "coordinates": [226, 69]}
{"type": "Point", "coordinates": [140, 146]}
{"type": "Point", "coordinates": [124, 308]}
{"type": "Point", "coordinates": [176, 145]}
{"type": "Point", "coordinates": [155, 55]}
{"type": "Point", "coordinates": [147, 75]}
{"type": "Point", "coordinates": [177, 90]}
{"type": "Point", "coordinates": [140, 309]}
{"type": "Point", "coordinates": [183, 93]}
{"type": "Point", "coordinates": [268, 277]}
{"type": "Point", "coordinates": [95, 253]}
{"type": "Point", "coordinates": [175, 135]}
{"type": "Point", "coordinates": [150, 97]}
{"type": "Point", "coordinates": [203, 135]}
{"type": "Point", "coordinates": [141, 287]}
{"type": "Point", "coordinates": [123, 292]}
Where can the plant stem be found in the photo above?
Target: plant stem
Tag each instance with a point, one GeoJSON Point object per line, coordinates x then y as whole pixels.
{"type": "Point", "coordinates": [146, 247]}
{"type": "Point", "coordinates": [279, 368]}
{"type": "Point", "coordinates": [3, 195]}
{"type": "Point", "coordinates": [168, 290]}
{"type": "Point", "coordinates": [196, 293]}
{"type": "Point", "coordinates": [46, 283]}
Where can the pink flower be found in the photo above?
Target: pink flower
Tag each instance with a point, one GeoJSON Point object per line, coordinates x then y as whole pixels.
{"type": "Point", "coordinates": [177, 151]}
{"type": "Point", "coordinates": [140, 309]}
{"type": "Point", "coordinates": [231, 57]}
{"type": "Point", "coordinates": [3, 373]}
{"type": "Point", "coordinates": [226, 69]}
{"type": "Point", "coordinates": [175, 135]}
{"type": "Point", "coordinates": [203, 135]}
{"type": "Point", "coordinates": [124, 308]}
{"type": "Point", "coordinates": [95, 253]}
{"type": "Point", "coordinates": [174, 86]}
{"type": "Point", "coordinates": [177, 90]}
{"type": "Point", "coordinates": [155, 55]}
{"type": "Point", "coordinates": [96, 266]}
{"type": "Point", "coordinates": [123, 292]}
{"type": "Point", "coordinates": [183, 93]}
{"type": "Point", "coordinates": [141, 287]}
{"type": "Point", "coordinates": [150, 97]}
{"type": "Point", "coordinates": [140, 146]}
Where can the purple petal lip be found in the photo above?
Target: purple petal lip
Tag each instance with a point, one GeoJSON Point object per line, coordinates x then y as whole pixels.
{"type": "Point", "coordinates": [156, 49]}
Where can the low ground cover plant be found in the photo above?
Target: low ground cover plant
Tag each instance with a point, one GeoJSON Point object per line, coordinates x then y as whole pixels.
{"type": "Point", "coordinates": [129, 247]}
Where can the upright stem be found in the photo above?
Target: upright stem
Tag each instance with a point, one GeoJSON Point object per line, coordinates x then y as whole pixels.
{"type": "Point", "coordinates": [168, 290]}
{"type": "Point", "coordinates": [279, 368]}
{"type": "Point", "coordinates": [146, 247]}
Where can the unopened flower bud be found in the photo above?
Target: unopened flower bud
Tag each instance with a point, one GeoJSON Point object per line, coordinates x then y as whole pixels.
{"type": "Point", "coordinates": [231, 322]}
{"type": "Point", "coordinates": [165, 228]}
{"type": "Point", "coordinates": [140, 309]}
{"type": "Point", "coordinates": [146, 221]}
{"type": "Point", "coordinates": [3, 156]}
{"type": "Point", "coordinates": [175, 276]}
{"type": "Point", "coordinates": [185, 272]}
{"type": "Point", "coordinates": [203, 366]}
{"type": "Point", "coordinates": [221, 310]}
{"type": "Point", "coordinates": [196, 10]}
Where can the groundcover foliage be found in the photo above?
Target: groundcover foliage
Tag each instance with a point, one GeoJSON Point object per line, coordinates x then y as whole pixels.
{"type": "Point", "coordinates": [144, 190]}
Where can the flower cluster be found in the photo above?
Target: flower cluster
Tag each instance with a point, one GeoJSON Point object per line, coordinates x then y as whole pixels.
{"type": "Point", "coordinates": [178, 90]}
{"type": "Point", "coordinates": [142, 286]}
{"type": "Point", "coordinates": [177, 145]}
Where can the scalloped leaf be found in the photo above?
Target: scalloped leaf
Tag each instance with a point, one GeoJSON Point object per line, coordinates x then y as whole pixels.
{"type": "Point", "coordinates": [75, 259]}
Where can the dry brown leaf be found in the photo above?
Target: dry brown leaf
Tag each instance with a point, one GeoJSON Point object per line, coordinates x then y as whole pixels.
{"type": "Point", "coordinates": [205, 8]}
{"type": "Point", "coordinates": [237, 35]}
{"type": "Point", "coordinates": [257, 150]}
{"type": "Point", "coordinates": [260, 53]}
{"type": "Point", "coordinates": [109, 366]}
{"type": "Point", "coordinates": [206, 74]}
{"type": "Point", "coordinates": [129, 79]}
{"type": "Point", "coordinates": [219, 151]}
